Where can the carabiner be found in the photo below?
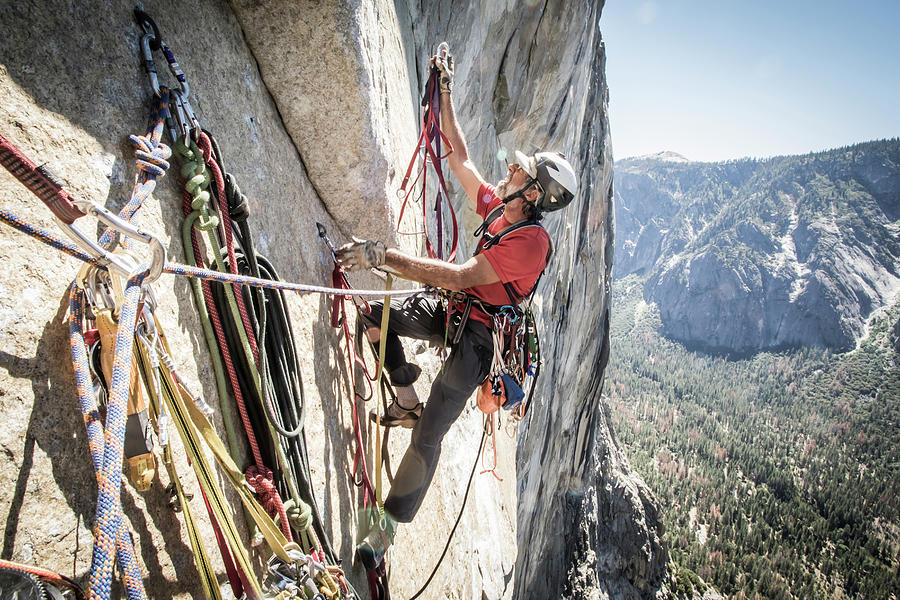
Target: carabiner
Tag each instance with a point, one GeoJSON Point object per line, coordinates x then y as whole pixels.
{"type": "Point", "coordinates": [150, 41]}
{"type": "Point", "coordinates": [182, 119]}
{"type": "Point", "coordinates": [175, 68]}
{"type": "Point", "coordinates": [187, 123]}
{"type": "Point", "coordinates": [117, 262]}
{"type": "Point", "coordinates": [324, 235]}
{"type": "Point", "coordinates": [443, 50]}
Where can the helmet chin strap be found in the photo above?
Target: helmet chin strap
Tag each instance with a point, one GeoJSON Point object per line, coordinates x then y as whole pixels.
{"type": "Point", "coordinates": [519, 194]}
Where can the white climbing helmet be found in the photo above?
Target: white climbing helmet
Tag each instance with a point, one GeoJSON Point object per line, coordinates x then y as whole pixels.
{"type": "Point", "coordinates": [554, 174]}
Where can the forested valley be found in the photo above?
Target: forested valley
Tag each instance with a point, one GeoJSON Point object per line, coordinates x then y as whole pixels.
{"type": "Point", "coordinates": [777, 474]}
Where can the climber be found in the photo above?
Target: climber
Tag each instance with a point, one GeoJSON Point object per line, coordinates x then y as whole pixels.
{"type": "Point", "coordinates": [503, 274]}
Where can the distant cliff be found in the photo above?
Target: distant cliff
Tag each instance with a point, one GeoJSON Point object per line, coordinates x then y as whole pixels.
{"type": "Point", "coordinates": [747, 255]}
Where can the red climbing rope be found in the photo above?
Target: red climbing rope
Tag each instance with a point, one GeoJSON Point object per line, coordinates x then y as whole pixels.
{"type": "Point", "coordinates": [206, 149]}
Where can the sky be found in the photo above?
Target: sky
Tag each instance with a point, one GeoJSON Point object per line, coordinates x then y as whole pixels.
{"type": "Point", "coordinates": [714, 80]}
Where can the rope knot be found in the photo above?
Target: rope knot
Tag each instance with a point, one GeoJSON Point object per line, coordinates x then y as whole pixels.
{"type": "Point", "coordinates": [261, 479]}
{"type": "Point", "coordinates": [151, 158]}
{"type": "Point", "coordinates": [238, 206]}
{"type": "Point", "coordinates": [300, 517]}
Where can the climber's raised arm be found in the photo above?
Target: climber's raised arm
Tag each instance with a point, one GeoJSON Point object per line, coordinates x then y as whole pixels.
{"type": "Point", "coordinates": [465, 170]}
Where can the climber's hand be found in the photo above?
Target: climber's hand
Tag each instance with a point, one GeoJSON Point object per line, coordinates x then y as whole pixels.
{"type": "Point", "coordinates": [443, 61]}
{"type": "Point", "coordinates": [361, 254]}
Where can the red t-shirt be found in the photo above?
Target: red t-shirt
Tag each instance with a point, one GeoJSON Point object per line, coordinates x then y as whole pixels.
{"type": "Point", "coordinates": [519, 257]}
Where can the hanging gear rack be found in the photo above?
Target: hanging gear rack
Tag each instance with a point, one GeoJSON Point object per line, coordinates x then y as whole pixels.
{"type": "Point", "coordinates": [429, 151]}
{"type": "Point", "coordinates": [267, 404]}
{"type": "Point", "coordinates": [126, 285]}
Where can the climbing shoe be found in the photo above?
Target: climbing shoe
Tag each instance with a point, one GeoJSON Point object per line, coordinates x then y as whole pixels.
{"type": "Point", "coordinates": [397, 416]}
{"type": "Point", "coordinates": [372, 548]}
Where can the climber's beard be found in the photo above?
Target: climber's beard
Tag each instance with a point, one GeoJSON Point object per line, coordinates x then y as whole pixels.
{"type": "Point", "coordinates": [502, 190]}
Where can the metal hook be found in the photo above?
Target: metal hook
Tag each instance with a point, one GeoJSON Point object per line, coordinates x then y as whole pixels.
{"type": "Point", "coordinates": [322, 234]}
{"type": "Point", "coordinates": [443, 50]}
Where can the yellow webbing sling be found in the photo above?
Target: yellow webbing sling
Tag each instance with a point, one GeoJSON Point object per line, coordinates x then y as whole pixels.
{"type": "Point", "coordinates": [159, 393]}
{"type": "Point", "coordinates": [193, 425]}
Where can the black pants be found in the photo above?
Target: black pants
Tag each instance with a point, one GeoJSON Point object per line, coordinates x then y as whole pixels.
{"type": "Point", "coordinates": [469, 362]}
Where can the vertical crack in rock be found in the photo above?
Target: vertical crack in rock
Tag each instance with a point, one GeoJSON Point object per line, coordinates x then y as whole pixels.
{"type": "Point", "coordinates": [278, 112]}
{"type": "Point", "coordinates": [534, 41]}
{"type": "Point", "coordinates": [500, 96]}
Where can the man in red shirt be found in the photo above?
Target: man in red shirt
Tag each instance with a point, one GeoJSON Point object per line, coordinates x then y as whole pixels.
{"type": "Point", "coordinates": [503, 271]}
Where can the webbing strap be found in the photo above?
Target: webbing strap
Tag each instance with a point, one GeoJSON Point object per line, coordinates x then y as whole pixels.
{"type": "Point", "coordinates": [429, 142]}
{"type": "Point", "coordinates": [359, 469]}
{"type": "Point", "coordinates": [379, 373]}
{"type": "Point", "coordinates": [151, 375]}
{"type": "Point", "coordinates": [192, 425]}
{"type": "Point", "coordinates": [41, 181]}
{"type": "Point", "coordinates": [179, 408]}
{"type": "Point", "coordinates": [276, 540]}
{"type": "Point", "coordinates": [489, 240]}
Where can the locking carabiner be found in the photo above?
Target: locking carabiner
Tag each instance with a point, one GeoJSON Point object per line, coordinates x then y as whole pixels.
{"type": "Point", "coordinates": [120, 263]}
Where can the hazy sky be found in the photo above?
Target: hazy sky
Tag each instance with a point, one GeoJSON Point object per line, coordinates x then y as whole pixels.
{"type": "Point", "coordinates": [723, 79]}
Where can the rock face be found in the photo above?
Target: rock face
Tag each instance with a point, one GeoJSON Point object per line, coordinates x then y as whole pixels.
{"type": "Point", "coordinates": [315, 107]}
{"type": "Point", "coordinates": [750, 255]}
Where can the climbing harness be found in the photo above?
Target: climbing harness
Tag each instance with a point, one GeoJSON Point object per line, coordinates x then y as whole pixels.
{"type": "Point", "coordinates": [429, 151]}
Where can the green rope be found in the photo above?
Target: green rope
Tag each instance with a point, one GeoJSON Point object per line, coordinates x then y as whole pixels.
{"type": "Point", "coordinates": [196, 181]}
{"type": "Point", "coordinates": [300, 518]}
{"type": "Point", "coordinates": [194, 170]}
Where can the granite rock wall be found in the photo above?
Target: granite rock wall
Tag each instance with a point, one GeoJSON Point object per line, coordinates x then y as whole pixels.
{"type": "Point", "coordinates": [315, 106]}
